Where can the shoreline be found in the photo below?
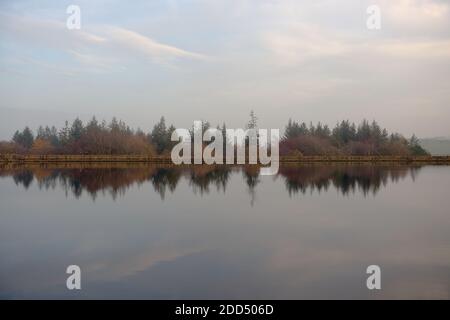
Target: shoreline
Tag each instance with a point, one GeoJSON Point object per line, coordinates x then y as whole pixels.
{"type": "Point", "coordinates": [16, 158]}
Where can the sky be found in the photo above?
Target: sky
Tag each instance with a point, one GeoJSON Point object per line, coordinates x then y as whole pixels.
{"type": "Point", "coordinates": [218, 59]}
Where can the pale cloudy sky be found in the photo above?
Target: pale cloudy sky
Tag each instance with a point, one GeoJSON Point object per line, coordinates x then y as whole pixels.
{"type": "Point", "coordinates": [218, 59]}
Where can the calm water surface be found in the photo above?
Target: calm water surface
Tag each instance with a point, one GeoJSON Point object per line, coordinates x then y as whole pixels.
{"type": "Point", "coordinates": [205, 232]}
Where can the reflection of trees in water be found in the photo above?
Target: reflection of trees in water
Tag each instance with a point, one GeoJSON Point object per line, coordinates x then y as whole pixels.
{"type": "Point", "coordinates": [345, 178]}
{"type": "Point", "coordinates": [251, 176]}
{"type": "Point", "coordinates": [165, 177]}
{"type": "Point", "coordinates": [24, 177]}
{"type": "Point", "coordinates": [298, 179]}
{"type": "Point", "coordinates": [114, 181]}
{"type": "Point", "coordinates": [200, 178]}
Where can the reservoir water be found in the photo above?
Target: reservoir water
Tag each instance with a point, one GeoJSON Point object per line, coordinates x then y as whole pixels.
{"type": "Point", "coordinates": [151, 232]}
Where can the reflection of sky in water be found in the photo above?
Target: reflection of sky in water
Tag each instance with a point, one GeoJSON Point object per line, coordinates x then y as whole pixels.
{"type": "Point", "coordinates": [309, 232]}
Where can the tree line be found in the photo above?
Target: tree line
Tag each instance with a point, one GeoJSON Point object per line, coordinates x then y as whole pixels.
{"type": "Point", "coordinates": [116, 137]}
{"type": "Point", "coordinates": [346, 138]}
{"type": "Point", "coordinates": [94, 137]}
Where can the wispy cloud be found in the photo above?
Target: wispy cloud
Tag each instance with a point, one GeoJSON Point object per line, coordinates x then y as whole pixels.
{"type": "Point", "coordinates": [410, 29]}
{"type": "Point", "coordinates": [415, 14]}
{"type": "Point", "coordinates": [137, 42]}
{"type": "Point", "coordinates": [44, 32]}
{"type": "Point", "coordinates": [84, 45]}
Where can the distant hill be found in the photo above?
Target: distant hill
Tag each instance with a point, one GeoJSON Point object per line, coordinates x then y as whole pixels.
{"type": "Point", "coordinates": [436, 146]}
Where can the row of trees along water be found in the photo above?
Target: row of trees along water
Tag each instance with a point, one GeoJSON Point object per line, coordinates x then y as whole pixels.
{"type": "Point", "coordinates": [116, 137]}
